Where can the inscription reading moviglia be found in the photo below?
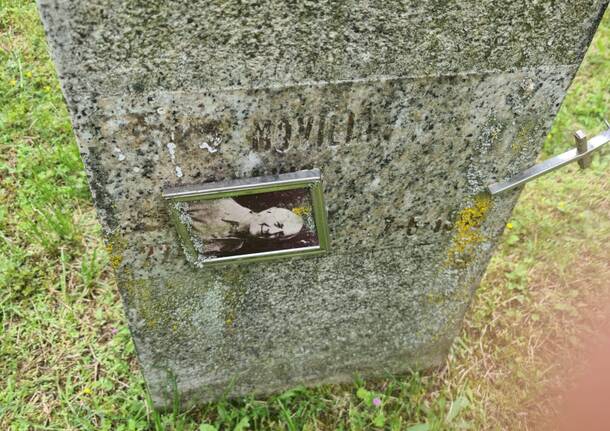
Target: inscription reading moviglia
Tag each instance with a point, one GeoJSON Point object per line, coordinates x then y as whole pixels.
{"type": "Point", "coordinates": [317, 130]}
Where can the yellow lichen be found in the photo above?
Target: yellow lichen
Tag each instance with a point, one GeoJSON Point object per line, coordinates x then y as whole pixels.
{"type": "Point", "coordinates": [115, 261]}
{"type": "Point", "coordinates": [151, 309]}
{"type": "Point", "coordinates": [523, 137]}
{"type": "Point", "coordinates": [115, 247]}
{"type": "Point", "coordinates": [467, 235]}
{"type": "Point", "coordinates": [435, 298]}
{"type": "Point", "coordinates": [233, 296]}
{"type": "Point", "coordinates": [301, 211]}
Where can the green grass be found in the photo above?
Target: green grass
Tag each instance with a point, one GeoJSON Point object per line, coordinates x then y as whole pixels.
{"type": "Point", "coordinates": [66, 358]}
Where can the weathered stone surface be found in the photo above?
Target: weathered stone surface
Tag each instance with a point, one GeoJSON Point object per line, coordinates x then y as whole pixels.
{"type": "Point", "coordinates": [408, 108]}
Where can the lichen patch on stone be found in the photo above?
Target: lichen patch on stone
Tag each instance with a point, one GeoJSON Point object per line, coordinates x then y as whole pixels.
{"type": "Point", "coordinates": [467, 231]}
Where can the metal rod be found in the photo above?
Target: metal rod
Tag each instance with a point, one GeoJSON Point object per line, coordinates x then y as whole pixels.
{"type": "Point", "coordinates": [551, 164]}
{"type": "Point", "coordinates": [581, 148]}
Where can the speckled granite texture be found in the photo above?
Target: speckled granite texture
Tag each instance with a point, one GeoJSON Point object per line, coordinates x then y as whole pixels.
{"type": "Point", "coordinates": [408, 108]}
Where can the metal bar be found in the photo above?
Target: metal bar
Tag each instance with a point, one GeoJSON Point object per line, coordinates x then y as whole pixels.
{"type": "Point", "coordinates": [551, 164]}
{"type": "Point", "coordinates": [582, 147]}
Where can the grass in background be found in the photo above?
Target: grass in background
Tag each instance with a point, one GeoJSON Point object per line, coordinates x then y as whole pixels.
{"type": "Point", "coordinates": [66, 358]}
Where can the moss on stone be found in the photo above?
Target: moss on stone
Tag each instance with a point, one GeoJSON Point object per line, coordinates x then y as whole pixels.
{"type": "Point", "coordinates": [524, 137]}
{"type": "Point", "coordinates": [233, 296]}
{"type": "Point", "coordinates": [435, 298]}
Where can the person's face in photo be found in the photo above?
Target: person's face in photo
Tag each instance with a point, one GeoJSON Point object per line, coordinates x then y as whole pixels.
{"type": "Point", "coordinates": [275, 223]}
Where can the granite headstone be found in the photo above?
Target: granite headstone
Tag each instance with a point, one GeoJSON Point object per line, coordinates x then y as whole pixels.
{"type": "Point", "coordinates": [409, 109]}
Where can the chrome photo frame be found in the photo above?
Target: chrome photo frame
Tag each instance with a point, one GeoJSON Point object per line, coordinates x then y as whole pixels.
{"type": "Point", "coordinates": [310, 179]}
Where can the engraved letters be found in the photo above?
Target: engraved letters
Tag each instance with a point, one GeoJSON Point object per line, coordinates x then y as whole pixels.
{"type": "Point", "coordinates": [324, 129]}
{"type": "Point", "coordinates": [261, 139]}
